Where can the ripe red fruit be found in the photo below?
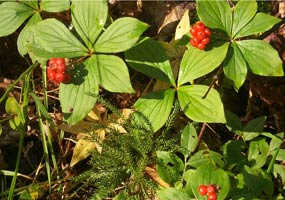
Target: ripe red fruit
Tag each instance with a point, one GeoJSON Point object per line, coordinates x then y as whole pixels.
{"type": "Point", "coordinates": [212, 196]}
{"type": "Point", "coordinates": [59, 77]}
{"type": "Point", "coordinates": [61, 68]}
{"type": "Point", "coordinates": [202, 189]}
{"type": "Point", "coordinates": [60, 61]}
{"type": "Point", "coordinates": [200, 26]}
{"type": "Point", "coordinates": [51, 73]}
{"type": "Point", "coordinates": [193, 32]}
{"type": "Point", "coordinates": [211, 189]}
{"type": "Point", "coordinates": [207, 31]}
{"type": "Point", "coordinates": [200, 35]}
{"type": "Point", "coordinates": [206, 40]}
{"type": "Point", "coordinates": [201, 46]}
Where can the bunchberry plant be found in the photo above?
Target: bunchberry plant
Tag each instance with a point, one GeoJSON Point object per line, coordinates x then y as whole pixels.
{"type": "Point", "coordinates": [233, 49]}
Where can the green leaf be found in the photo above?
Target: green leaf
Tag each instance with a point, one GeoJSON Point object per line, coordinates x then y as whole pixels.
{"type": "Point", "coordinates": [12, 15]}
{"type": "Point", "coordinates": [257, 153]}
{"type": "Point", "coordinates": [208, 174]}
{"type": "Point", "coordinates": [260, 23]}
{"type": "Point", "coordinates": [254, 128]}
{"type": "Point", "coordinates": [13, 108]}
{"type": "Point", "coordinates": [149, 57]}
{"type": "Point", "coordinates": [55, 6]}
{"type": "Point", "coordinates": [76, 104]}
{"type": "Point", "coordinates": [205, 157]}
{"type": "Point", "coordinates": [233, 122]}
{"type": "Point", "coordinates": [196, 63]}
{"type": "Point", "coordinates": [233, 153]}
{"type": "Point", "coordinates": [215, 14]}
{"type": "Point", "coordinates": [120, 36]}
{"type": "Point", "coordinates": [156, 106]}
{"type": "Point", "coordinates": [258, 181]}
{"type": "Point", "coordinates": [235, 67]}
{"type": "Point", "coordinates": [88, 18]}
{"type": "Point", "coordinates": [261, 57]}
{"type": "Point", "coordinates": [112, 73]}
{"type": "Point", "coordinates": [171, 194]}
{"type": "Point", "coordinates": [244, 11]}
{"type": "Point", "coordinates": [189, 138]}
{"type": "Point", "coordinates": [169, 166]}
{"type": "Point", "coordinates": [55, 40]}
{"type": "Point", "coordinates": [26, 34]}
{"type": "Point", "coordinates": [208, 109]}
{"type": "Point", "coordinates": [32, 3]}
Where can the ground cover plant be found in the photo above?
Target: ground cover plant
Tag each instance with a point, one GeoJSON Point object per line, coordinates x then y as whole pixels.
{"type": "Point", "coordinates": [162, 145]}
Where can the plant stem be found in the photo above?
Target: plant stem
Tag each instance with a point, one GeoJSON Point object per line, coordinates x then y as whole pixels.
{"type": "Point", "coordinates": [13, 183]}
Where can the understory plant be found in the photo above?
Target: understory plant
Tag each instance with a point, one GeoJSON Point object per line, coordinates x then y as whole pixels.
{"type": "Point", "coordinates": [139, 156]}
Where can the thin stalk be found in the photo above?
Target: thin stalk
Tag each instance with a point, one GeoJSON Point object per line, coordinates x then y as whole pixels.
{"type": "Point", "coordinates": [26, 76]}
{"type": "Point", "coordinates": [44, 74]}
{"type": "Point", "coordinates": [13, 183]}
{"type": "Point", "coordinates": [10, 88]}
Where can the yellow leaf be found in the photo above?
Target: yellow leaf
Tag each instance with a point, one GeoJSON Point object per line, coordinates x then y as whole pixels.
{"type": "Point", "coordinates": [82, 150]}
{"type": "Point", "coordinates": [183, 26]}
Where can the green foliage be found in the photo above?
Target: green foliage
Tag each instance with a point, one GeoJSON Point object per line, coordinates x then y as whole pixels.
{"type": "Point", "coordinates": [241, 171]}
{"type": "Point", "coordinates": [240, 26]}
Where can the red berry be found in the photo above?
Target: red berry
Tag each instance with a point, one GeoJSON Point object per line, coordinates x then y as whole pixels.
{"type": "Point", "coordinates": [60, 61]}
{"type": "Point", "coordinates": [211, 189]}
{"type": "Point", "coordinates": [59, 77]}
{"type": "Point", "coordinates": [51, 73]}
{"type": "Point", "coordinates": [207, 31]}
{"type": "Point", "coordinates": [206, 40]}
{"type": "Point", "coordinates": [61, 68]}
{"type": "Point", "coordinates": [201, 46]}
{"type": "Point", "coordinates": [51, 61]}
{"type": "Point", "coordinates": [212, 196]}
{"type": "Point", "coordinates": [200, 35]}
{"type": "Point", "coordinates": [200, 26]}
{"type": "Point", "coordinates": [193, 32]}
{"type": "Point", "coordinates": [202, 189]}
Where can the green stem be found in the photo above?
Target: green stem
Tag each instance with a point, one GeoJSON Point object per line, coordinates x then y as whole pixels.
{"type": "Point", "coordinates": [13, 184]}
{"type": "Point", "coordinates": [11, 87]}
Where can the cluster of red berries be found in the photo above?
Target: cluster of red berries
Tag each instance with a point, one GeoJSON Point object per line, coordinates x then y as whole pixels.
{"type": "Point", "coordinates": [209, 190]}
{"type": "Point", "coordinates": [57, 71]}
{"type": "Point", "coordinates": [200, 35]}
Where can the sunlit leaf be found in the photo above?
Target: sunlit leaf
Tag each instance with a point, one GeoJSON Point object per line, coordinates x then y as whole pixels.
{"type": "Point", "coordinates": [55, 6]}
{"type": "Point", "coordinates": [200, 108]}
{"type": "Point", "coordinates": [12, 15]}
{"type": "Point", "coordinates": [171, 194]}
{"type": "Point", "coordinates": [120, 35]}
{"type": "Point", "coordinates": [235, 67]}
{"type": "Point", "coordinates": [260, 23]}
{"type": "Point", "coordinates": [261, 57]}
{"type": "Point", "coordinates": [112, 73]}
{"type": "Point", "coordinates": [156, 106]}
{"type": "Point", "coordinates": [88, 18]}
{"type": "Point", "coordinates": [149, 58]}
{"type": "Point", "coordinates": [215, 14]}
{"type": "Point", "coordinates": [244, 11]}
{"type": "Point", "coordinates": [75, 101]}
{"type": "Point", "coordinates": [196, 63]}
{"type": "Point", "coordinates": [26, 34]}
{"type": "Point", "coordinates": [189, 138]}
{"type": "Point", "coordinates": [183, 26]}
{"type": "Point", "coordinates": [257, 153]}
{"type": "Point", "coordinates": [82, 150]}
{"type": "Point", "coordinates": [55, 40]}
